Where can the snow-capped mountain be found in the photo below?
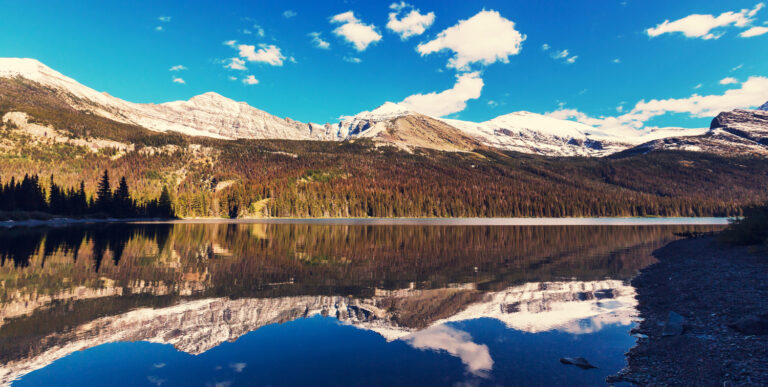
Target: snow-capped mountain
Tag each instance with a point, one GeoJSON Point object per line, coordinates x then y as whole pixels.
{"type": "Point", "coordinates": [209, 114]}
{"type": "Point", "coordinates": [730, 133]}
{"type": "Point", "coordinates": [213, 115]}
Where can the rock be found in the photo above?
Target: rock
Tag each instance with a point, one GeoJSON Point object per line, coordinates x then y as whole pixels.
{"type": "Point", "coordinates": [674, 325]}
{"type": "Point", "coordinates": [764, 107]}
{"type": "Point", "coordinates": [752, 325]}
{"type": "Point", "coordinates": [577, 361]}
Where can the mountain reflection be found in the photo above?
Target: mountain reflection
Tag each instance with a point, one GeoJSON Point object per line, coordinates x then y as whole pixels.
{"type": "Point", "coordinates": [196, 286]}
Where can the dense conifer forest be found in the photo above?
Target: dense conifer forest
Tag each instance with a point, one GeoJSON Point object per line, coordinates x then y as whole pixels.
{"type": "Point", "coordinates": [28, 196]}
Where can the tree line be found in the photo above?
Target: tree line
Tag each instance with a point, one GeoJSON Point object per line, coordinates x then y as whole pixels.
{"type": "Point", "coordinates": [29, 195]}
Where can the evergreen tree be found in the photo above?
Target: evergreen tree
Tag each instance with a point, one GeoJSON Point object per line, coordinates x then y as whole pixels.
{"type": "Point", "coordinates": [104, 193]}
{"type": "Point", "coordinates": [164, 205]}
{"type": "Point", "coordinates": [122, 199]}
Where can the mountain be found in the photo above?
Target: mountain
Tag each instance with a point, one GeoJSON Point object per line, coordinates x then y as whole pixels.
{"type": "Point", "coordinates": [764, 107]}
{"type": "Point", "coordinates": [213, 115]}
{"type": "Point", "coordinates": [209, 114]}
{"type": "Point", "coordinates": [730, 133]}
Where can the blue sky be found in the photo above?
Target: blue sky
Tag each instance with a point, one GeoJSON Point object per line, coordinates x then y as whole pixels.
{"type": "Point", "coordinates": [619, 53]}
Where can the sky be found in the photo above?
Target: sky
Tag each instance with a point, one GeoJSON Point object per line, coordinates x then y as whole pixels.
{"type": "Point", "coordinates": [607, 63]}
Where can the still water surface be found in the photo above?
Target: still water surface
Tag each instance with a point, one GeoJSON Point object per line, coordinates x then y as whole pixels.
{"type": "Point", "coordinates": [319, 304]}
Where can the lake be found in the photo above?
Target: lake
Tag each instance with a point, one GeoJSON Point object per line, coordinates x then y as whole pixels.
{"type": "Point", "coordinates": [321, 303]}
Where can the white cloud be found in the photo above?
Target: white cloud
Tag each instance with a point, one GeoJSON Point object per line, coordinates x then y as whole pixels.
{"type": "Point", "coordinates": [179, 80]}
{"type": "Point", "coordinates": [476, 357]}
{"type": "Point", "coordinates": [289, 14]}
{"type": "Point", "coordinates": [250, 80]}
{"type": "Point", "coordinates": [164, 19]}
{"type": "Point", "coordinates": [354, 31]}
{"type": "Point", "coordinates": [269, 54]}
{"type": "Point", "coordinates": [545, 47]}
{"type": "Point", "coordinates": [238, 367]}
{"type": "Point", "coordinates": [177, 68]}
{"type": "Point", "coordinates": [754, 31]}
{"type": "Point", "coordinates": [159, 28]}
{"type": "Point", "coordinates": [410, 24]}
{"type": "Point", "coordinates": [352, 59]}
{"type": "Point", "coordinates": [737, 67]}
{"type": "Point", "coordinates": [484, 38]}
{"type": "Point", "coordinates": [259, 30]}
{"type": "Point", "coordinates": [246, 32]}
{"type": "Point", "coordinates": [751, 94]}
{"type": "Point", "coordinates": [728, 81]}
{"type": "Point", "coordinates": [702, 26]}
{"type": "Point", "coordinates": [236, 64]}
{"type": "Point", "coordinates": [468, 86]}
{"type": "Point", "coordinates": [617, 61]}
{"type": "Point", "coordinates": [564, 54]}
{"type": "Point", "coordinates": [317, 41]}
{"type": "Point", "coordinates": [698, 86]}
{"type": "Point", "coordinates": [230, 43]}
{"type": "Point", "coordinates": [232, 78]}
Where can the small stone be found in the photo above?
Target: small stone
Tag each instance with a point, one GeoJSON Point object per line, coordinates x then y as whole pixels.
{"type": "Point", "coordinates": [752, 325]}
{"type": "Point", "coordinates": [674, 325]}
{"type": "Point", "coordinates": [577, 361]}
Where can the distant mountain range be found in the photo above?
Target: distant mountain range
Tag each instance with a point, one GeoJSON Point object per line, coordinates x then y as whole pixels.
{"type": "Point", "coordinates": [213, 115]}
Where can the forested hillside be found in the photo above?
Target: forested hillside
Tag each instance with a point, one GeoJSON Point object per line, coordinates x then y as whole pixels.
{"type": "Point", "coordinates": [275, 178]}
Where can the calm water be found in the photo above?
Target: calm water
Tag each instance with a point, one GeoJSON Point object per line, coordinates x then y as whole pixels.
{"type": "Point", "coordinates": [319, 304]}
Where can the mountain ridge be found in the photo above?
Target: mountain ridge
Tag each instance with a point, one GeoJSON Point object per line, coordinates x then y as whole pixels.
{"type": "Point", "coordinates": [213, 115]}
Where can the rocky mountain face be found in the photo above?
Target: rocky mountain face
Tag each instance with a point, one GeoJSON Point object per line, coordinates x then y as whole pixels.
{"type": "Point", "coordinates": [213, 115]}
{"type": "Point", "coordinates": [730, 133]}
{"type": "Point", "coordinates": [764, 107]}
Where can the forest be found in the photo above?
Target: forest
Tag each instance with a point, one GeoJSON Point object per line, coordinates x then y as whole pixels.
{"type": "Point", "coordinates": [28, 196]}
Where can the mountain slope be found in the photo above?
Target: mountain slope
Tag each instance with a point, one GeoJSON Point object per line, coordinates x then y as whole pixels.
{"type": "Point", "coordinates": [738, 132]}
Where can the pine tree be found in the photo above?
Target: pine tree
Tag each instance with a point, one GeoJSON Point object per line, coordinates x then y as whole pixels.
{"type": "Point", "coordinates": [122, 199]}
{"type": "Point", "coordinates": [104, 193]}
{"type": "Point", "coordinates": [165, 207]}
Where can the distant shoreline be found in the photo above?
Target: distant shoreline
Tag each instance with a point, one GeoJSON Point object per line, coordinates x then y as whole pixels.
{"type": "Point", "coordinates": [611, 221]}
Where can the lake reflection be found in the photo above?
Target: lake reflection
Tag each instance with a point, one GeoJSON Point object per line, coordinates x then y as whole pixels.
{"type": "Point", "coordinates": [310, 304]}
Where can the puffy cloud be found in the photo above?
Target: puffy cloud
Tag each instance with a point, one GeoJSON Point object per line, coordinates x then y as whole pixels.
{"type": "Point", "coordinates": [164, 19]}
{"type": "Point", "coordinates": [269, 54]}
{"type": "Point", "coordinates": [259, 30]}
{"type": "Point", "coordinates": [728, 81]}
{"type": "Point", "coordinates": [484, 38]}
{"type": "Point", "coordinates": [545, 47]}
{"type": "Point", "coordinates": [177, 68]}
{"type": "Point", "coordinates": [230, 43]}
{"type": "Point", "coordinates": [572, 59]}
{"type": "Point", "coordinates": [354, 31]}
{"type": "Point", "coordinates": [468, 86]}
{"type": "Point", "coordinates": [250, 80]}
{"type": "Point", "coordinates": [159, 28]}
{"type": "Point", "coordinates": [411, 23]}
{"type": "Point", "coordinates": [754, 31]}
{"type": "Point", "coordinates": [751, 94]}
{"type": "Point", "coordinates": [236, 64]}
{"type": "Point", "coordinates": [179, 80]}
{"type": "Point", "coordinates": [702, 26]}
{"type": "Point", "coordinates": [476, 357]}
{"type": "Point", "coordinates": [317, 41]}
{"type": "Point", "coordinates": [289, 14]}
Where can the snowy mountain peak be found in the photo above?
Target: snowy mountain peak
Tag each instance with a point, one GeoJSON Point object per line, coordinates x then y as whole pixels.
{"type": "Point", "coordinates": [384, 112]}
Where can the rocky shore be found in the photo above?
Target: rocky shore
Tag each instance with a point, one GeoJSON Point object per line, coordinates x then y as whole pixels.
{"type": "Point", "coordinates": [721, 292]}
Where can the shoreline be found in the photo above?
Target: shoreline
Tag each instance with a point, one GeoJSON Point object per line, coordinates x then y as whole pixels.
{"type": "Point", "coordinates": [586, 221]}
{"type": "Point", "coordinates": [715, 289]}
